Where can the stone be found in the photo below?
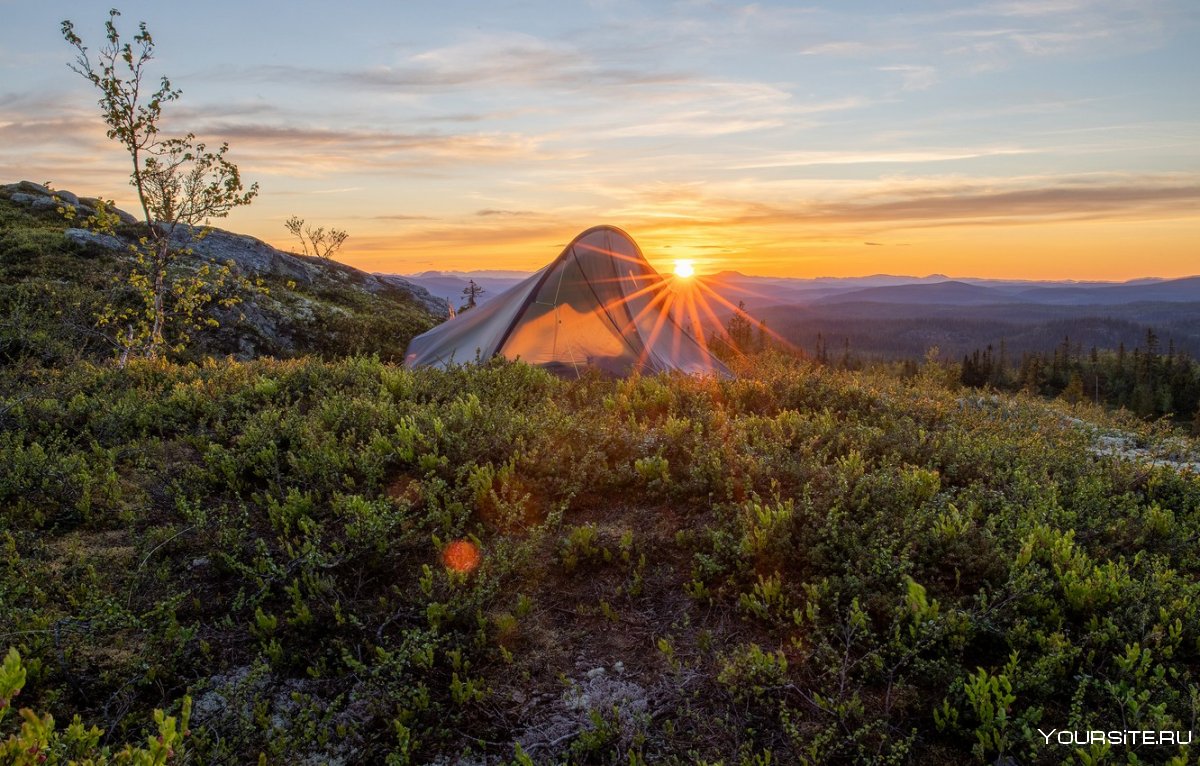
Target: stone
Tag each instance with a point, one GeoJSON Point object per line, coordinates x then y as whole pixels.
{"type": "Point", "coordinates": [428, 300]}
{"type": "Point", "coordinates": [251, 256]}
{"type": "Point", "coordinates": [27, 187]}
{"type": "Point", "coordinates": [92, 204]}
{"type": "Point", "coordinates": [91, 238]}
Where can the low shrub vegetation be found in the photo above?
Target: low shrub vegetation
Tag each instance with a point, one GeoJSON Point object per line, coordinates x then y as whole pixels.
{"type": "Point", "coordinates": [346, 561]}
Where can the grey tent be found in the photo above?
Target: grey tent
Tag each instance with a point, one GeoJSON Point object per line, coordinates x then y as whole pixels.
{"type": "Point", "coordinates": [598, 304]}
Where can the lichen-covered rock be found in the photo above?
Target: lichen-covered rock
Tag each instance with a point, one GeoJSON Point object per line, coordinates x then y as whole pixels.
{"type": "Point", "coordinates": [305, 305]}
{"type": "Point", "coordinates": [92, 239]}
{"type": "Point", "coordinates": [26, 187]}
{"type": "Point", "coordinates": [40, 198]}
{"type": "Point", "coordinates": [252, 256]}
{"type": "Point", "coordinates": [255, 257]}
{"type": "Point", "coordinates": [89, 206]}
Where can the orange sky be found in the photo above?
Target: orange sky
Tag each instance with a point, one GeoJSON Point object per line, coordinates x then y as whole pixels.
{"type": "Point", "coordinates": [1105, 249]}
{"type": "Point", "coordinates": [996, 139]}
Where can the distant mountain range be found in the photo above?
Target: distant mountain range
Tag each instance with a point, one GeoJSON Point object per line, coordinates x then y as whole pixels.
{"type": "Point", "coordinates": [448, 286]}
{"type": "Point", "coordinates": [897, 317]}
{"type": "Point", "coordinates": [937, 289]}
{"type": "Point", "coordinates": [891, 316]}
{"type": "Point", "coordinates": [941, 290]}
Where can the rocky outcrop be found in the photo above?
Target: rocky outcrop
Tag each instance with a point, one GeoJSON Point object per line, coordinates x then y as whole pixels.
{"type": "Point", "coordinates": [252, 256]}
{"type": "Point", "coordinates": [258, 258]}
{"type": "Point", "coordinates": [38, 198]}
{"type": "Point", "coordinates": [92, 239]}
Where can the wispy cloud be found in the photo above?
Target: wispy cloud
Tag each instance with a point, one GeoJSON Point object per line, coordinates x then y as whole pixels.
{"type": "Point", "coordinates": [510, 59]}
{"type": "Point", "coordinates": [1005, 30]}
{"type": "Point", "coordinates": [394, 217]}
{"type": "Point", "coordinates": [920, 204]}
{"type": "Point", "coordinates": [840, 48]}
{"type": "Point", "coordinates": [1147, 197]}
{"type": "Point", "coordinates": [884, 156]}
{"type": "Point", "coordinates": [309, 151]}
{"type": "Point", "coordinates": [493, 212]}
{"type": "Point", "coordinates": [915, 77]}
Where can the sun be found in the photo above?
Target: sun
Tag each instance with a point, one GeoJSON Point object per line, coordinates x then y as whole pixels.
{"type": "Point", "coordinates": [684, 269]}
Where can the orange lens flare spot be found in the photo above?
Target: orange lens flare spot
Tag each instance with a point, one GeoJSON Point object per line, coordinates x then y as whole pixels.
{"type": "Point", "coordinates": [461, 556]}
{"type": "Point", "coordinates": [684, 269]}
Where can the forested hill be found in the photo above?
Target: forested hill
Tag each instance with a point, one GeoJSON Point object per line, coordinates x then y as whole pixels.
{"type": "Point", "coordinates": [55, 278]}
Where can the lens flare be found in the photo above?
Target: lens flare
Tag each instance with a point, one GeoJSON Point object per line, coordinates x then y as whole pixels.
{"type": "Point", "coordinates": [684, 269]}
{"type": "Point", "coordinates": [461, 556]}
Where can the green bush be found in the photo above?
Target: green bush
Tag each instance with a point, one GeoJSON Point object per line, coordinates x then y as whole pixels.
{"type": "Point", "coordinates": [806, 565]}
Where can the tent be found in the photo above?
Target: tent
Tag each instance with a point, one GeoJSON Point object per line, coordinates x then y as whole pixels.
{"type": "Point", "coordinates": [598, 304]}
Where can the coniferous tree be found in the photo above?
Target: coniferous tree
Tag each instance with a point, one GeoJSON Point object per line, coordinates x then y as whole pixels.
{"type": "Point", "coordinates": [1000, 377]}
{"type": "Point", "coordinates": [1074, 393]}
{"type": "Point", "coordinates": [739, 330]}
{"type": "Point", "coordinates": [1152, 385]}
{"type": "Point", "coordinates": [472, 291]}
{"type": "Point", "coordinates": [822, 352]}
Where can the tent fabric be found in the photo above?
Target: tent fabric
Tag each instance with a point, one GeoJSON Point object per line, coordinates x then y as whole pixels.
{"type": "Point", "coordinates": [598, 305]}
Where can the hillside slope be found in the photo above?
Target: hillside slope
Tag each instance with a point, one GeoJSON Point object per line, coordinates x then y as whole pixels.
{"type": "Point", "coordinates": [55, 277]}
{"type": "Point", "coordinates": [351, 562]}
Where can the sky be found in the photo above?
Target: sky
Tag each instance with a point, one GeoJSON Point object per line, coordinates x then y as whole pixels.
{"type": "Point", "coordinates": [1046, 139]}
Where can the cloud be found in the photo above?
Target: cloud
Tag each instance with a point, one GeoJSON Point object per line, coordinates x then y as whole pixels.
{"type": "Point", "coordinates": [718, 108]}
{"type": "Point", "coordinates": [222, 110]}
{"type": "Point", "coordinates": [509, 59]}
{"type": "Point", "coordinates": [34, 130]}
{"type": "Point", "coordinates": [802, 159]}
{"type": "Point", "coordinates": [914, 77]}
{"type": "Point", "coordinates": [912, 205]}
{"type": "Point", "coordinates": [488, 212]}
{"type": "Point", "coordinates": [1041, 8]}
{"type": "Point", "coordinates": [698, 123]}
{"type": "Point", "coordinates": [394, 217]}
{"type": "Point", "coordinates": [840, 48]}
{"type": "Point", "coordinates": [299, 151]}
{"type": "Point", "coordinates": [1145, 198]}
{"type": "Point", "coordinates": [485, 243]}
{"type": "Point", "coordinates": [1041, 28]}
{"type": "Point", "coordinates": [343, 190]}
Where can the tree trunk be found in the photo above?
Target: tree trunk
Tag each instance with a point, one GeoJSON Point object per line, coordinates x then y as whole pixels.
{"type": "Point", "coordinates": [160, 285]}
